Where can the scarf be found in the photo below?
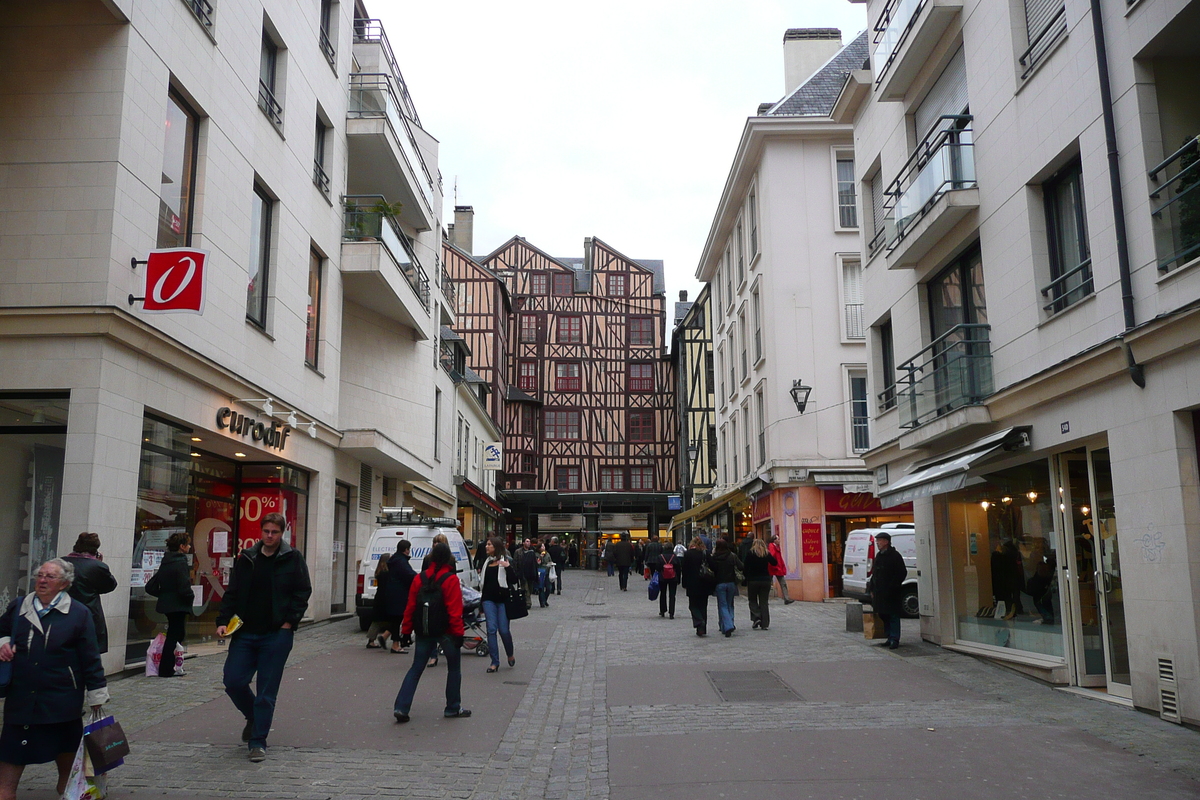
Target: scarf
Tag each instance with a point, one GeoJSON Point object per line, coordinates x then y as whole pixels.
{"type": "Point", "coordinates": [501, 574]}
{"type": "Point", "coordinates": [42, 610]}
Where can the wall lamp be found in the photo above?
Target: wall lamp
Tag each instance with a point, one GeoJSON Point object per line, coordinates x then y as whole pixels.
{"type": "Point", "coordinates": [800, 393]}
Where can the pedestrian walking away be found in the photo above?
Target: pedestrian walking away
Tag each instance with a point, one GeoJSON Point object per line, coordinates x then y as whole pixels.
{"type": "Point", "coordinates": [56, 671]}
{"type": "Point", "coordinates": [377, 634]}
{"type": "Point", "coordinates": [268, 591]}
{"type": "Point", "coordinates": [498, 577]}
{"type": "Point", "coordinates": [439, 538]}
{"type": "Point", "coordinates": [622, 556]}
{"type": "Point", "coordinates": [639, 558]}
{"type": "Point", "coordinates": [759, 562]}
{"type": "Point", "coordinates": [606, 559]}
{"type": "Point", "coordinates": [779, 569]}
{"type": "Point", "coordinates": [667, 565]}
{"type": "Point", "coordinates": [400, 577]}
{"type": "Point", "coordinates": [435, 615]}
{"type": "Point", "coordinates": [558, 554]}
{"type": "Point", "coordinates": [725, 565]}
{"type": "Point", "coordinates": [699, 581]}
{"type": "Point", "coordinates": [92, 579]}
{"type": "Point", "coordinates": [172, 585]}
{"type": "Point", "coordinates": [528, 566]}
{"type": "Point", "coordinates": [887, 586]}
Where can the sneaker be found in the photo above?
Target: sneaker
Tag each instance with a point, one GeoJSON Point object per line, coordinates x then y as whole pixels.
{"type": "Point", "coordinates": [400, 716]}
{"type": "Point", "coordinates": [258, 754]}
{"type": "Point", "coordinates": [246, 731]}
{"type": "Point", "coordinates": [462, 712]}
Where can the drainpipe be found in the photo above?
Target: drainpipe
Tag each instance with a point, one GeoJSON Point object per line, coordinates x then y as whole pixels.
{"type": "Point", "coordinates": [1136, 371]}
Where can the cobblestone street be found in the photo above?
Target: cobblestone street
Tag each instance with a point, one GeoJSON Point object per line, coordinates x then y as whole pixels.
{"type": "Point", "coordinates": [610, 700]}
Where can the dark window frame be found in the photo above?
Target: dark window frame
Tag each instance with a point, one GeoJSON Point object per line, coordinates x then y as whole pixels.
{"type": "Point", "coordinates": [312, 328]}
{"type": "Point", "coordinates": [263, 277]}
{"type": "Point", "coordinates": [562, 421]}
{"type": "Point", "coordinates": [641, 331]}
{"type": "Point", "coordinates": [192, 149]}
{"type": "Point", "coordinates": [570, 329]}
{"type": "Point", "coordinates": [563, 284]}
{"type": "Point", "coordinates": [527, 381]}
{"type": "Point", "coordinates": [638, 479]}
{"type": "Point", "coordinates": [568, 383]}
{"type": "Point", "coordinates": [528, 329]}
{"type": "Point", "coordinates": [567, 478]}
{"type": "Point", "coordinates": [617, 284]}
{"type": "Point", "coordinates": [539, 283]}
{"type": "Point", "coordinates": [641, 383]}
{"type": "Point", "coordinates": [641, 426]}
{"type": "Point", "coordinates": [1069, 282]}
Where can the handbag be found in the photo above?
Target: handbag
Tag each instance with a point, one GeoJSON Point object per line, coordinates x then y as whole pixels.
{"type": "Point", "coordinates": [106, 744]}
{"type": "Point", "coordinates": [514, 606]}
{"type": "Point", "coordinates": [653, 587]}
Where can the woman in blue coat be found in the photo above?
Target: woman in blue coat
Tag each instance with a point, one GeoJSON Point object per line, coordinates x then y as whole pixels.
{"type": "Point", "coordinates": [51, 641]}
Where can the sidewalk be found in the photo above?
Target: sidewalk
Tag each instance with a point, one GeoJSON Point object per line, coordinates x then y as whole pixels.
{"type": "Point", "coordinates": [610, 700]}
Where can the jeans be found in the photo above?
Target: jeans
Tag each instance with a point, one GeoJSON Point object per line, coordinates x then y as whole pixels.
{"type": "Point", "coordinates": [264, 654]}
{"type": "Point", "coordinates": [610, 569]}
{"type": "Point", "coordinates": [667, 588]}
{"type": "Point", "coordinates": [623, 572]}
{"type": "Point", "coordinates": [725, 594]}
{"type": "Point", "coordinates": [558, 570]}
{"type": "Point", "coordinates": [426, 648]}
{"type": "Point", "coordinates": [497, 622]}
{"type": "Point", "coordinates": [543, 586]}
{"type": "Point", "coordinates": [176, 633]}
{"type": "Point", "coordinates": [759, 595]}
{"type": "Point", "coordinates": [891, 626]}
{"type": "Point", "coordinates": [698, 605]}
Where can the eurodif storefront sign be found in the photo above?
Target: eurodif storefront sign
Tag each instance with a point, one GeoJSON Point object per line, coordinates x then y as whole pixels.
{"type": "Point", "coordinates": [271, 433]}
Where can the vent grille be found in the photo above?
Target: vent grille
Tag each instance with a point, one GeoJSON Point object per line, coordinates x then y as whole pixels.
{"type": "Point", "coordinates": [1168, 691]}
{"type": "Point", "coordinates": [366, 483]}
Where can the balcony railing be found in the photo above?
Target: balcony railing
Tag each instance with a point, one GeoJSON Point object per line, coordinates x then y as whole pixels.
{"type": "Point", "coordinates": [367, 218]}
{"type": "Point", "coordinates": [327, 48]}
{"type": "Point", "coordinates": [320, 178]}
{"type": "Point", "coordinates": [377, 95]}
{"type": "Point", "coordinates": [942, 162]}
{"type": "Point", "coordinates": [370, 31]}
{"type": "Point", "coordinates": [269, 105]}
{"type": "Point", "coordinates": [448, 289]}
{"type": "Point", "coordinates": [1069, 288]}
{"type": "Point", "coordinates": [1041, 39]}
{"type": "Point", "coordinates": [953, 371]}
{"type": "Point", "coordinates": [854, 321]}
{"type": "Point", "coordinates": [885, 233]}
{"type": "Point", "coordinates": [203, 11]}
{"type": "Point", "coordinates": [891, 31]}
{"type": "Point", "coordinates": [887, 398]}
{"type": "Point", "coordinates": [1176, 204]}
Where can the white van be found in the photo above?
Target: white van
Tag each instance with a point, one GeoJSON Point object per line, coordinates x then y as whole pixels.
{"type": "Point", "coordinates": [859, 554]}
{"type": "Point", "coordinates": [406, 523]}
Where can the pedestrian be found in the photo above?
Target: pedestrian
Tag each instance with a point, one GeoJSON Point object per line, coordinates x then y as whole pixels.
{"type": "Point", "coordinates": [268, 590]}
{"type": "Point", "coordinates": [698, 583]}
{"type": "Point", "coordinates": [667, 566]}
{"type": "Point", "coordinates": [606, 559]}
{"type": "Point", "coordinates": [56, 671]}
{"type": "Point", "coordinates": [400, 578]}
{"type": "Point", "coordinates": [558, 554]}
{"type": "Point", "coordinates": [480, 555]}
{"type": "Point", "coordinates": [622, 554]}
{"type": "Point", "coordinates": [379, 616]}
{"type": "Point", "coordinates": [544, 564]}
{"type": "Point", "coordinates": [529, 573]}
{"type": "Point", "coordinates": [92, 579]}
{"type": "Point", "coordinates": [172, 585]}
{"type": "Point", "coordinates": [438, 538]}
{"type": "Point", "coordinates": [639, 559]}
{"type": "Point", "coordinates": [779, 569]}
{"type": "Point", "coordinates": [758, 583]}
{"type": "Point", "coordinates": [725, 564]}
{"type": "Point", "coordinates": [652, 553]}
{"type": "Point", "coordinates": [498, 576]}
{"type": "Point", "coordinates": [744, 547]}
{"type": "Point", "coordinates": [887, 586]}
{"type": "Point", "coordinates": [435, 614]}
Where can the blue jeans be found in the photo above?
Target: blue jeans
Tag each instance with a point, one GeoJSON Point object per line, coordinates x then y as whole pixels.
{"type": "Point", "coordinates": [725, 594]}
{"type": "Point", "coordinates": [543, 586]}
{"type": "Point", "coordinates": [891, 625]}
{"type": "Point", "coordinates": [264, 654]}
{"type": "Point", "coordinates": [425, 648]}
{"type": "Point", "coordinates": [497, 622]}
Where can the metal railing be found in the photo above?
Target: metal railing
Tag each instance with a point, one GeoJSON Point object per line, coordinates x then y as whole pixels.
{"type": "Point", "coordinates": [885, 232]}
{"type": "Point", "coordinates": [320, 178]}
{"type": "Point", "coordinates": [942, 162]}
{"type": "Point", "coordinates": [327, 48]}
{"type": "Point", "coordinates": [890, 32]}
{"type": "Point", "coordinates": [887, 398]}
{"type": "Point", "coordinates": [1177, 220]}
{"type": "Point", "coordinates": [955, 370]}
{"type": "Point", "coordinates": [375, 95]}
{"type": "Point", "coordinates": [854, 321]}
{"type": "Point", "coordinates": [366, 218]}
{"type": "Point", "coordinates": [1040, 41]}
{"type": "Point", "coordinates": [269, 105]}
{"type": "Point", "coordinates": [370, 31]}
{"type": "Point", "coordinates": [860, 434]}
{"type": "Point", "coordinates": [1069, 288]}
{"type": "Point", "coordinates": [203, 11]}
{"type": "Point", "coordinates": [449, 291]}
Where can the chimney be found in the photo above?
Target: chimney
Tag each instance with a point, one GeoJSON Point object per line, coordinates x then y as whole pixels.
{"type": "Point", "coordinates": [805, 50]}
{"type": "Point", "coordinates": [462, 232]}
{"type": "Point", "coordinates": [683, 295]}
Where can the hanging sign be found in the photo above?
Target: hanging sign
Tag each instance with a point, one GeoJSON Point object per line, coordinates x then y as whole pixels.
{"type": "Point", "coordinates": [175, 280]}
{"type": "Point", "coordinates": [493, 456]}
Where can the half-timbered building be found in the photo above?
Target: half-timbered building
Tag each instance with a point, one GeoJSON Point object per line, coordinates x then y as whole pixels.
{"type": "Point", "coordinates": [695, 401]}
{"type": "Point", "coordinates": [483, 310]}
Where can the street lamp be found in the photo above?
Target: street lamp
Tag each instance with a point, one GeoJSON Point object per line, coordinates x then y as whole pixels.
{"type": "Point", "coordinates": [693, 452]}
{"type": "Point", "coordinates": [800, 393]}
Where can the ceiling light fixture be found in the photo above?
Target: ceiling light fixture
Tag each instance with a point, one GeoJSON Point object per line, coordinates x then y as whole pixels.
{"type": "Point", "coordinates": [240, 455]}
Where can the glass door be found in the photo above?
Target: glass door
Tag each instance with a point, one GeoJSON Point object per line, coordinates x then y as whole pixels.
{"type": "Point", "coordinates": [341, 548]}
{"type": "Point", "coordinates": [1108, 573]}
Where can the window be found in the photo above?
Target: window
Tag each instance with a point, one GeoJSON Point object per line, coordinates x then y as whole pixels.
{"type": "Point", "coordinates": [641, 426]}
{"type": "Point", "coordinates": [325, 39]}
{"type": "Point", "coordinates": [612, 479]}
{"type": "Point", "coordinates": [437, 422]}
{"type": "Point", "coordinates": [725, 452]}
{"type": "Point", "coordinates": [1066, 232]}
{"type": "Point", "coordinates": [733, 445]}
{"type": "Point", "coordinates": [562, 424]}
{"type": "Point", "coordinates": [852, 299]}
{"type": "Point", "coordinates": [721, 358]}
{"type": "Point", "coordinates": [320, 176]}
{"type": "Point", "coordinates": [260, 258]}
{"type": "Point", "coordinates": [527, 463]}
{"type": "Point", "coordinates": [741, 254]}
{"type": "Point", "coordinates": [745, 340]}
{"type": "Point", "coordinates": [566, 377]}
{"type": "Point", "coordinates": [312, 331]}
{"type": "Point", "coordinates": [537, 283]}
{"type": "Point", "coordinates": [761, 408]}
{"type": "Point", "coordinates": [570, 330]}
{"type": "Point", "coordinates": [462, 456]}
{"type": "Point", "coordinates": [733, 382]}
{"type": "Point", "coordinates": [887, 363]}
{"type": "Point", "coordinates": [268, 64]}
{"type": "Point", "coordinates": [712, 449]}
{"type": "Point", "coordinates": [846, 200]}
{"type": "Point", "coordinates": [716, 285]}
{"type": "Point", "coordinates": [176, 192]}
{"type": "Point", "coordinates": [204, 13]}
{"type": "Point", "coordinates": [746, 427]}
{"type": "Point", "coordinates": [566, 479]}
{"type": "Point", "coordinates": [859, 429]}
{"type": "Point", "coordinates": [529, 328]}
{"type": "Point", "coordinates": [527, 376]}
{"type": "Point", "coordinates": [728, 277]}
{"type": "Point", "coordinates": [756, 303]}
{"type": "Point", "coordinates": [564, 284]}
{"type": "Point", "coordinates": [528, 421]}
{"type": "Point", "coordinates": [1045, 22]}
{"type": "Point", "coordinates": [708, 372]}
{"type": "Point", "coordinates": [753, 212]}
{"type": "Point", "coordinates": [641, 479]}
{"type": "Point", "coordinates": [878, 214]}
{"type": "Point", "coordinates": [616, 285]}
{"type": "Point", "coordinates": [641, 377]}
{"type": "Point", "coordinates": [641, 331]}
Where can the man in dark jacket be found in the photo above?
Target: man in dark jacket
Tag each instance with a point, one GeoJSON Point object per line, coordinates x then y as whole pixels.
{"type": "Point", "coordinates": [558, 554]}
{"type": "Point", "coordinates": [622, 557]}
{"type": "Point", "coordinates": [887, 586]}
{"type": "Point", "coordinates": [268, 589]}
{"type": "Point", "coordinates": [92, 579]}
{"type": "Point", "coordinates": [400, 578]}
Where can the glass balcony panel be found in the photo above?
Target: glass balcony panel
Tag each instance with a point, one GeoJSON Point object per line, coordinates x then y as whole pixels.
{"type": "Point", "coordinates": [951, 166]}
{"type": "Point", "coordinates": [374, 95]}
{"type": "Point", "coordinates": [1176, 206]}
{"type": "Point", "coordinates": [901, 16]}
{"type": "Point", "coordinates": [954, 371]}
{"type": "Point", "coordinates": [365, 220]}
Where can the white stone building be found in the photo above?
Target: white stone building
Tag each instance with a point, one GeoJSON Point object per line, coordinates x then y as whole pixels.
{"type": "Point", "coordinates": [1034, 372]}
{"type": "Point", "coordinates": [309, 384]}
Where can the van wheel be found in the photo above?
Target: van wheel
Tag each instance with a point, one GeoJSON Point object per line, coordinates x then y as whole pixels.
{"type": "Point", "coordinates": [909, 604]}
{"type": "Point", "coordinates": [363, 624]}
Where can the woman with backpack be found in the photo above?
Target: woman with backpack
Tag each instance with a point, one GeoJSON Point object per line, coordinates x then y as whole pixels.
{"type": "Point", "coordinates": [759, 562]}
{"type": "Point", "coordinates": [726, 565]}
{"type": "Point", "coordinates": [667, 565]}
{"type": "Point", "coordinates": [698, 583]}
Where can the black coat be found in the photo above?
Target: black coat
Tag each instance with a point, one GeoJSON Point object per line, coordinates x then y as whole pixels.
{"type": "Point", "coordinates": [622, 554]}
{"type": "Point", "coordinates": [653, 554]}
{"type": "Point", "coordinates": [887, 580]}
{"type": "Point", "coordinates": [172, 585]}
{"type": "Point", "coordinates": [53, 666]}
{"type": "Point", "coordinates": [290, 587]}
{"type": "Point", "coordinates": [92, 579]}
{"type": "Point", "coordinates": [757, 569]}
{"type": "Point", "coordinates": [689, 573]}
{"type": "Point", "coordinates": [558, 554]}
{"type": "Point", "coordinates": [399, 582]}
{"type": "Point", "coordinates": [725, 565]}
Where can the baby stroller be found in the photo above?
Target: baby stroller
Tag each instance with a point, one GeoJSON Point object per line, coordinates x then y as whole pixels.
{"type": "Point", "coordinates": [474, 624]}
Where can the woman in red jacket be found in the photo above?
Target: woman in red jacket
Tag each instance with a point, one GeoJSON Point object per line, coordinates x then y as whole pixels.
{"type": "Point", "coordinates": [778, 570]}
{"type": "Point", "coordinates": [437, 619]}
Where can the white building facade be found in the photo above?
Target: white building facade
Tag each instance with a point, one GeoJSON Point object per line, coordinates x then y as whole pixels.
{"type": "Point", "coordinates": [1034, 372]}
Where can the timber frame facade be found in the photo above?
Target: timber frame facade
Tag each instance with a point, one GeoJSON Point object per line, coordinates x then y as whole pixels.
{"type": "Point", "coordinates": [483, 308]}
{"type": "Point", "coordinates": [695, 400]}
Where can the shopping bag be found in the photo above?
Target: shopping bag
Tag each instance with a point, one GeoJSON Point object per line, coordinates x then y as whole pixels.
{"type": "Point", "coordinates": [106, 744]}
{"type": "Point", "coordinates": [154, 656]}
{"type": "Point", "coordinates": [653, 586]}
{"type": "Point", "coordinates": [81, 785]}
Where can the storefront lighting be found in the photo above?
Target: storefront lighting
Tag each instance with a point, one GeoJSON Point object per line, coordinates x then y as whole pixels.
{"type": "Point", "coordinates": [197, 439]}
{"type": "Point", "coordinates": [1006, 499]}
{"type": "Point", "coordinates": [985, 505]}
{"type": "Point", "coordinates": [1062, 506]}
{"type": "Point", "coordinates": [194, 455]}
{"type": "Point", "coordinates": [1085, 510]}
{"type": "Point", "coordinates": [312, 429]}
{"type": "Point", "coordinates": [291, 419]}
{"type": "Point", "coordinates": [240, 455]}
{"type": "Point", "coordinates": [267, 407]}
{"type": "Point", "coordinates": [1032, 495]}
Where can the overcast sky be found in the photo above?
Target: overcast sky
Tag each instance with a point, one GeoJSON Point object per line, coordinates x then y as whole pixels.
{"type": "Point", "coordinates": [616, 120]}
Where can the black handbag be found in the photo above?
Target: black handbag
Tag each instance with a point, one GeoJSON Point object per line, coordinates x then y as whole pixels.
{"type": "Point", "coordinates": [514, 606]}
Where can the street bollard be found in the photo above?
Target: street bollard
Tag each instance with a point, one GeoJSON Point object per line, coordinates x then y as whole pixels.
{"type": "Point", "coordinates": [854, 617]}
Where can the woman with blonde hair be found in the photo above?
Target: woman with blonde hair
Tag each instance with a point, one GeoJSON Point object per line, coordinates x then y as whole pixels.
{"type": "Point", "coordinates": [758, 583]}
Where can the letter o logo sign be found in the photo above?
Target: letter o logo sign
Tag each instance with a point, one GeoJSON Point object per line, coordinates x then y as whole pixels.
{"type": "Point", "coordinates": [175, 281]}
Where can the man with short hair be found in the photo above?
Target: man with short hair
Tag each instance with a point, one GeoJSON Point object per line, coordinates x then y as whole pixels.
{"type": "Point", "coordinates": [622, 556]}
{"type": "Point", "coordinates": [887, 585]}
{"type": "Point", "coordinates": [558, 554]}
{"type": "Point", "coordinates": [268, 590]}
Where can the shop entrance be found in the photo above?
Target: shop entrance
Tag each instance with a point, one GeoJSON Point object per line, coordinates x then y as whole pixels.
{"type": "Point", "coordinates": [1093, 593]}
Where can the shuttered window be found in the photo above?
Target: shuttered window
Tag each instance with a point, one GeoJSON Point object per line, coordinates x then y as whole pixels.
{"type": "Point", "coordinates": [948, 95]}
{"type": "Point", "coordinates": [366, 482]}
{"type": "Point", "coordinates": [877, 198]}
{"type": "Point", "coordinates": [852, 299]}
{"type": "Point", "coordinates": [1045, 21]}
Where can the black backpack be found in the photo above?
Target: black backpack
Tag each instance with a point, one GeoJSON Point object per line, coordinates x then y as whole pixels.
{"type": "Point", "coordinates": [432, 617]}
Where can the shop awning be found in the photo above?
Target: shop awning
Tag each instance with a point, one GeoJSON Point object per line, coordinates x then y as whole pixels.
{"type": "Point", "coordinates": [479, 498]}
{"type": "Point", "coordinates": [948, 471]}
{"type": "Point", "coordinates": [704, 509]}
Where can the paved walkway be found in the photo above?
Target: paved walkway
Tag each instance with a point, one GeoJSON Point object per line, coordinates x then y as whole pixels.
{"type": "Point", "coordinates": [610, 700]}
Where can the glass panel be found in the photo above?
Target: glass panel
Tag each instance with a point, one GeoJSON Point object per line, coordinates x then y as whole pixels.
{"type": "Point", "coordinates": [1074, 500]}
{"type": "Point", "coordinates": [31, 473]}
{"type": "Point", "coordinates": [1104, 519]}
{"type": "Point", "coordinates": [260, 252]}
{"type": "Point", "coordinates": [175, 191]}
{"type": "Point", "coordinates": [341, 548]}
{"type": "Point", "coordinates": [312, 332]}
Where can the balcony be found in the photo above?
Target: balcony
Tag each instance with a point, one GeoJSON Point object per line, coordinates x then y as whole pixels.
{"type": "Point", "coordinates": [905, 36]}
{"type": "Point", "coordinates": [954, 371]}
{"type": "Point", "coordinates": [379, 269]}
{"type": "Point", "coordinates": [934, 191]}
{"type": "Point", "coordinates": [1176, 207]}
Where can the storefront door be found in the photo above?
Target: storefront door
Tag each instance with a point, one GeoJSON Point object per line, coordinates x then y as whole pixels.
{"type": "Point", "coordinates": [341, 548]}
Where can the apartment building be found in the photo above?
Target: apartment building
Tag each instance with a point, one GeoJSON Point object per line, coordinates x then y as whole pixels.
{"type": "Point", "coordinates": [695, 404]}
{"type": "Point", "coordinates": [276, 142]}
{"type": "Point", "coordinates": [1031, 290]}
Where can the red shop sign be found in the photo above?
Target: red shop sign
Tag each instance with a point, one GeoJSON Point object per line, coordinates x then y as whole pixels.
{"type": "Point", "coordinates": [175, 281]}
{"type": "Point", "coordinates": [810, 542]}
{"type": "Point", "coordinates": [839, 502]}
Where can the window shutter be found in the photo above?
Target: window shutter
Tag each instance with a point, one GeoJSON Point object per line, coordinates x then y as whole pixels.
{"type": "Point", "coordinates": [1038, 14]}
{"type": "Point", "coordinates": [852, 296]}
{"type": "Point", "coordinates": [366, 482]}
{"type": "Point", "coordinates": [948, 95]}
